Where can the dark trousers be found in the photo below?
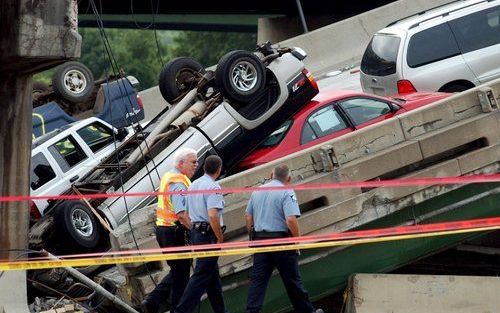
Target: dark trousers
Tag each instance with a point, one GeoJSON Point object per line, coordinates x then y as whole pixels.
{"type": "Point", "coordinates": [287, 264]}
{"type": "Point", "coordinates": [205, 278]}
{"type": "Point", "coordinates": [172, 286]}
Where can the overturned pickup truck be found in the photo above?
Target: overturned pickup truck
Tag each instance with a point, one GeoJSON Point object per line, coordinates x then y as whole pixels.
{"type": "Point", "coordinates": [75, 95]}
{"type": "Point", "coordinates": [227, 112]}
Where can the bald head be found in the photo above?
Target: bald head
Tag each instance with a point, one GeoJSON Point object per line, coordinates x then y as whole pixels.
{"type": "Point", "coordinates": [281, 173]}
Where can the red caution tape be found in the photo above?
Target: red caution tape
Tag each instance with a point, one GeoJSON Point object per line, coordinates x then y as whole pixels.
{"type": "Point", "coordinates": [350, 184]}
{"type": "Point", "coordinates": [409, 232]}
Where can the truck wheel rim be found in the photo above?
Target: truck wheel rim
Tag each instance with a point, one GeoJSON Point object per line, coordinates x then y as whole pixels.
{"type": "Point", "coordinates": [75, 81]}
{"type": "Point", "coordinates": [82, 223]}
{"type": "Point", "coordinates": [244, 76]}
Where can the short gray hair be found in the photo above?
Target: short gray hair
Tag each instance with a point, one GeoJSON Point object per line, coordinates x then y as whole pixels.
{"type": "Point", "coordinates": [281, 172]}
{"type": "Point", "coordinates": [181, 154]}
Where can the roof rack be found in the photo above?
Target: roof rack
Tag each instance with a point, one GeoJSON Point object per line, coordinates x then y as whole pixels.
{"type": "Point", "coordinates": [423, 12]}
{"type": "Point", "coordinates": [447, 13]}
{"type": "Point", "coordinates": [432, 9]}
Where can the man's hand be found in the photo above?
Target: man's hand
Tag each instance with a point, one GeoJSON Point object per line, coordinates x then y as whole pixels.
{"type": "Point", "coordinates": [213, 216]}
{"type": "Point", "coordinates": [184, 219]}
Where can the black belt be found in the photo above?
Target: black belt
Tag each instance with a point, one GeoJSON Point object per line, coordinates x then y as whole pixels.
{"type": "Point", "coordinates": [271, 234]}
{"type": "Point", "coordinates": [202, 227]}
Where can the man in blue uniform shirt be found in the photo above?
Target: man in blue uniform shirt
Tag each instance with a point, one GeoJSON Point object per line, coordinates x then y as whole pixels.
{"type": "Point", "coordinates": [205, 212]}
{"type": "Point", "coordinates": [273, 214]}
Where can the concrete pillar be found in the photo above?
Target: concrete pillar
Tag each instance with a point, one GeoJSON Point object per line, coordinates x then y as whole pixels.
{"type": "Point", "coordinates": [34, 35]}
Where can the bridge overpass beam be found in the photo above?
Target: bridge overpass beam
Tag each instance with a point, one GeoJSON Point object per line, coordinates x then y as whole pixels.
{"type": "Point", "coordinates": [34, 36]}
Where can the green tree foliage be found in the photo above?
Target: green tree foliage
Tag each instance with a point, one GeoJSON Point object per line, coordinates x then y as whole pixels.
{"type": "Point", "coordinates": [133, 51]}
{"type": "Point", "coordinates": [209, 47]}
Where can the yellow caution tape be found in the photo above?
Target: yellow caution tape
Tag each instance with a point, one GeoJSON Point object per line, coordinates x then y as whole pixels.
{"type": "Point", "coordinates": [81, 262]}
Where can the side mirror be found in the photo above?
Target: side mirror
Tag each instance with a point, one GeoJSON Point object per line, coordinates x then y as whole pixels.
{"type": "Point", "coordinates": [121, 133]}
{"type": "Point", "coordinates": [394, 107]}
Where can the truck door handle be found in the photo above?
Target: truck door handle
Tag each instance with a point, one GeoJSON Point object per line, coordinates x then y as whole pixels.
{"type": "Point", "coordinates": [74, 178]}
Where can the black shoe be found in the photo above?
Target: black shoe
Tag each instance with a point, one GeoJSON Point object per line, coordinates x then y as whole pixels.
{"type": "Point", "coordinates": [147, 307]}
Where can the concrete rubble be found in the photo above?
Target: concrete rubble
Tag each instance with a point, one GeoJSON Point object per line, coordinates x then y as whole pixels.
{"type": "Point", "coordinates": [56, 305]}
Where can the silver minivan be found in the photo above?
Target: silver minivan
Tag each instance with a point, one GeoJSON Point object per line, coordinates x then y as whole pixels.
{"type": "Point", "coordinates": [450, 48]}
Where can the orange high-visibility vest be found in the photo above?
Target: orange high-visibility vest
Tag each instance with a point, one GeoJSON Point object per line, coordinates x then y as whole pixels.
{"type": "Point", "coordinates": [165, 214]}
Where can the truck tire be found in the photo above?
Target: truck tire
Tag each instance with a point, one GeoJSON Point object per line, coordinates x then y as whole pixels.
{"type": "Point", "coordinates": [73, 82]}
{"type": "Point", "coordinates": [179, 76]}
{"type": "Point", "coordinates": [240, 75]}
{"type": "Point", "coordinates": [77, 224]}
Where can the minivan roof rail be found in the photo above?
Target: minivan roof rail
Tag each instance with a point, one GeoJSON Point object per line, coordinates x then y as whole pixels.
{"type": "Point", "coordinates": [436, 15]}
{"type": "Point", "coordinates": [423, 12]}
{"type": "Point", "coordinates": [448, 12]}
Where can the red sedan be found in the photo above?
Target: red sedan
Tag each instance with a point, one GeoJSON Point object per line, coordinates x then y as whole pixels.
{"type": "Point", "coordinates": [332, 114]}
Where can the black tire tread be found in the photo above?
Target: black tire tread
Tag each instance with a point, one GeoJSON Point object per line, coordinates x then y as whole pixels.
{"type": "Point", "coordinates": [222, 76]}
{"type": "Point", "coordinates": [168, 76]}
{"type": "Point", "coordinates": [64, 227]}
{"type": "Point", "coordinates": [59, 87]}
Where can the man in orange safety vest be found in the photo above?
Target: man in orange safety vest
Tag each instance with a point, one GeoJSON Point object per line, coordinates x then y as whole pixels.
{"type": "Point", "coordinates": [172, 222]}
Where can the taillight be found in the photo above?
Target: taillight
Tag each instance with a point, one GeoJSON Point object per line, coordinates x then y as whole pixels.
{"type": "Point", "coordinates": [405, 86]}
{"type": "Point", "coordinates": [311, 79]}
{"type": "Point", "coordinates": [139, 101]}
{"type": "Point", "coordinates": [34, 213]}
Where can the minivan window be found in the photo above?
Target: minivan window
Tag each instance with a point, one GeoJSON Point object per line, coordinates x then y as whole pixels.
{"type": "Point", "coordinates": [380, 56]}
{"type": "Point", "coordinates": [431, 45]}
{"type": "Point", "coordinates": [67, 153]}
{"type": "Point", "coordinates": [477, 30]}
{"type": "Point", "coordinates": [96, 136]}
{"type": "Point", "coordinates": [41, 171]}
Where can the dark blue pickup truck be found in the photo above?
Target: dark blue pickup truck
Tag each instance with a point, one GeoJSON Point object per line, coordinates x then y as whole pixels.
{"type": "Point", "coordinates": [116, 102]}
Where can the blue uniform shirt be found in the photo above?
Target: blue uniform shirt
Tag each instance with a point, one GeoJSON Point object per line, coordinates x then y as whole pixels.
{"type": "Point", "coordinates": [198, 204]}
{"type": "Point", "coordinates": [271, 208]}
{"type": "Point", "coordinates": [178, 201]}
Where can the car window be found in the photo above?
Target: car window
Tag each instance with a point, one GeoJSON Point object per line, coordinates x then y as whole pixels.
{"type": "Point", "coordinates": [380, 56]}
{"type": "Point", "coordinates": [431, 45]}
{"type": "Point", "coordinates": [361, 110]}
{"type": "Point", "coordinates": [477, 30]}
{"type": "Point", "coordinates": [96, 136]}
{"type": "Point", "coordinates": [277, 136]}
{"type": "Point", "coordinates": [323, 122]}
{"type": "Point", "coordinates": [41, 171]}
{"type": "Point", "coordinates": [67, 153]}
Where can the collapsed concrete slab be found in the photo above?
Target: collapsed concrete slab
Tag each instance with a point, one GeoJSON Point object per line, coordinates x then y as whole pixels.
{"type": "Point", "coordinates": [452, 137]}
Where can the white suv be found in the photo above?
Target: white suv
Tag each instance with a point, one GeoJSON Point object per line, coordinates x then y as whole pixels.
{"type": "Point", "coordinates": [449, 48]}
{"type": "Point", "coordinates": [63, 156]}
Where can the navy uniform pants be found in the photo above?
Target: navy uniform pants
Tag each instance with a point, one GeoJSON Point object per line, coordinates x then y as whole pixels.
{"type": "Point", "coordinates": [172, 286]}
{"type": "Point", "coordinates": [287, 264]}
{"type": "Point", "coordinates": [205, 278]}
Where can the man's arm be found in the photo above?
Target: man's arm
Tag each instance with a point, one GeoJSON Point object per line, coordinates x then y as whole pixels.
{"type": "Point", "coordinates": [293, 225]}
{"type": "Point", "coordinates": [179, 203]}
{"type": "Point", "coordinates": [249, 219]}
{"type": "Point", "coordinates": [213, 217]}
